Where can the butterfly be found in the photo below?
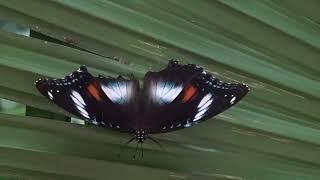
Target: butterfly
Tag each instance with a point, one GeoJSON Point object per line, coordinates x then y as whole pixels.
{"type": "Point", "coordinates": [174, 98]}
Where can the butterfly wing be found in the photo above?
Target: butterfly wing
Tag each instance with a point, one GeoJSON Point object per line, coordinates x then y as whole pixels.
{"type": "Point", "coordinates": [121, 106]}
{"type": "Point", "coordinates": [183, 95]}
{"type": "Point", "coordinates": [94, 99]}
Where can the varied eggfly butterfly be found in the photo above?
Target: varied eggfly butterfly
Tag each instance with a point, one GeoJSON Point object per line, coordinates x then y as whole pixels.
{"type": "Point", "coordinates": [177, 97]}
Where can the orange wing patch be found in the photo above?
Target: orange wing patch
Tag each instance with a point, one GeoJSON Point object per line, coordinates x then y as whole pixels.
{"type": "Point", "coordinates": [190, 91]}
{"type": "Point", "coordinates": [93, 90]}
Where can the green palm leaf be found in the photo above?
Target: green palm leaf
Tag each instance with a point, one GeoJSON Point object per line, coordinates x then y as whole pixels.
{"type": "Point", "coordinates": [274, 133]}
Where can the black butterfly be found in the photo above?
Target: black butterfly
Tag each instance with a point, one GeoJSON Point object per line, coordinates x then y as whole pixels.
{"type": "Point", "coordinates": [177, 97]}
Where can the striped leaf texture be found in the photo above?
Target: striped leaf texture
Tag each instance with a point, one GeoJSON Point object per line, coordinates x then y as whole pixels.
{"type": "Point", "coordinates": [273, 46]}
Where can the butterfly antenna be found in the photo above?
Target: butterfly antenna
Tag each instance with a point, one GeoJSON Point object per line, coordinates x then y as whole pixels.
{"type": "Point", "coordinates": [124, 145]}
{"type": "Point", "coordinates": [155, 141]}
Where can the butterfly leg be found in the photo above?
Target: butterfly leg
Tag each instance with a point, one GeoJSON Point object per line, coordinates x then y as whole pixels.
{"type": "Point", "coordinates": [155, 141]}
{"type": "Point", "coordinates": [124, 145]}
{"type": "Point", "coordinates": [134, 156]}
{"type": "Point", "coordinates": [141, 151]}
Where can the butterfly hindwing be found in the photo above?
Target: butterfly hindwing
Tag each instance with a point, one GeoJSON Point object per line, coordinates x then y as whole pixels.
{"type": "Point", "coordinates": [120, 107]}
{"type": "Point", "coordinates": [161, 88]}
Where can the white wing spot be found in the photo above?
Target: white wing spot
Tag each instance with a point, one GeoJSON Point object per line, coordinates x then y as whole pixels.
{"type": "Point", "coordinates": [196, 119]}
{"type": "Point", "coordinates": [79, 103]}
{"type": "Point", "coordinates": [207, 104]}
{"type": "Point", "coordinates": [171, 94]}
{"type": "Point", "coordinates": [204, 100]}
{"type": "Point", "coordinates": [159, 89]}
{"type": "Point", "coordinates": [165, 92]}
{"type": "Point", "coordinates": [203, 107]}
{"type": "Point", "coordinates": [187, 125]}
{"type": "Point", "coordinates": [50, 95]}
{"type": "Point", "coordinates": [123, 90]}
{"type": "Point", "coordinates": [117, 93]}
{"type": "Point", "coordinates": [76, 97]}
{"type": "Point", "coordinates": [232, 100]}
{"type": "Point", "coordinates": [200, 114]}
{"type": "Point", "coordinates": [82, 111]}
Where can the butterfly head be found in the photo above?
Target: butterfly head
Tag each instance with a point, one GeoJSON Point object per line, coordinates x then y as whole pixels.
{"type": "Point", "coordinates": [140, 135]}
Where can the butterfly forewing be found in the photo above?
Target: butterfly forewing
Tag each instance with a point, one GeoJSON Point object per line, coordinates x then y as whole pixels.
{"type": "Point", "coordinates": [90, 98]}
{"type": "Point", "coordinates": [71, 93]}
{"type": "Point", "coordinates": [183, 95]}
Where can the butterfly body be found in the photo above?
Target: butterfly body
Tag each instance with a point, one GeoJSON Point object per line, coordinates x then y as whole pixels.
{"type": "Point", "coordinates": [177, 97]}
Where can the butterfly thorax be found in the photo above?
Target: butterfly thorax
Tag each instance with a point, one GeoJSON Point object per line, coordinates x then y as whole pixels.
{"type": "Point", "coordinates": [140, 135]}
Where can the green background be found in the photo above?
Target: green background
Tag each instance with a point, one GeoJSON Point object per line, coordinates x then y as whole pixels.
{"type": "Point", "coordinates": [273, 46]}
